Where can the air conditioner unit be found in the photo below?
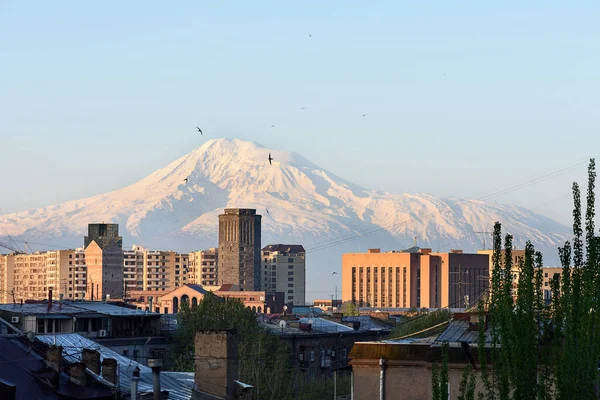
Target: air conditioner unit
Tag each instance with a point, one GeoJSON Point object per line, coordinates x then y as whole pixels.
{"type": "Point", "coordinates": [102, 333]}
{"type": "Point", "coordinates": [15, 320]}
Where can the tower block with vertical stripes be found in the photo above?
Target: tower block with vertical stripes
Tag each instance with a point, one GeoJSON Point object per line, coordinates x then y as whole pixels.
{"type": "Point", "coordinates": [239, 248]}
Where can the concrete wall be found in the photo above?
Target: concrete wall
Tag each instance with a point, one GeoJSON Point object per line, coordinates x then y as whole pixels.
{"type": "Point", "coordinates": [216, 369]}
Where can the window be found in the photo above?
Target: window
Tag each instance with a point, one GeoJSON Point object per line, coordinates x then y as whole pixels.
{"type": "Point", "coordinates": [344, 352]}
{"type": "Point", "coordinates": [40, 326]}
{"type": "Point", "coordinates": [290, 285]}
{"type": "Point", "coordinates": [546, 274]}
{"type": "Point", "coordinates": [291, 279]}
{"type": "Point", "coordinates": [290, 273]}
{"type": "Point", "coordinates": [290, 267]}
{"type": "Point", "coordinates": [290, 260]}
{"type": "Point", "coordinates": [290, 291]}
{"type": "Point", "coordinates": [312, 355]}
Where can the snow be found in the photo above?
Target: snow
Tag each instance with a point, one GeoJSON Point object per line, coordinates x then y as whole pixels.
{"type": "Point", "coordinates": [307, 205]}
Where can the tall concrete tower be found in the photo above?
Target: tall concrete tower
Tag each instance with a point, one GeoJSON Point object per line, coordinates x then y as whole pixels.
{"type": "Point", "coordinates": [239, 248]}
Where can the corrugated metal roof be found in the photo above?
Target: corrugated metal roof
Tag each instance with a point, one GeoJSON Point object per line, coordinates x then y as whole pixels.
{"type": "Point", "coordinates": [112, 310]}
{"type": "Point", "coordinates": [41, 308]}
{"type": "Point", "coordinates": [179, 384]}
{"type": "Point", "coordinates": [323, 325]}
{"type": "Point", "coordinates": [458, 331]}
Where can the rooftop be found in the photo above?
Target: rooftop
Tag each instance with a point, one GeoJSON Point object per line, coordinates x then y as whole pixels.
{"type": "Point", "coordinates": [179, 384]}
{"type": "Point", "coordinates": [285, 248]}
{"type": "Point", "coordinates": [73, 308]}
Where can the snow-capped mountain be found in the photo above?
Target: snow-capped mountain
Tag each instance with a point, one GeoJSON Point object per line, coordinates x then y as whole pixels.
{"type": "Point", "coordinates": [306, 205]}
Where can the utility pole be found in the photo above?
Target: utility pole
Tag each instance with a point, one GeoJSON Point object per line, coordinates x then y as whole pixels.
{"type": "Point", "coordinates": [460, 283]}
{"type": "Point", "coordinates": [488, 233]}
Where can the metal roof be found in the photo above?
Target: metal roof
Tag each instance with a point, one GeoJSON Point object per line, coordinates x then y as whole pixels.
{"type": "Point", "coordinates": [20, 366]}
{"type": "Point", "coordinates": [179, 384]}
{"type": "Point", "coordinates": [105, 308]}
{"type": "Point", "coordinates": [41, 308]}
{"type": "Point", "coordinates": [285, 248]}
{"type": "Point", "coordinates": [324, 325]}
{"type": "Point", "coordinates": [458, 331]}
{"type": "Point", "coordinates": [367, 323]}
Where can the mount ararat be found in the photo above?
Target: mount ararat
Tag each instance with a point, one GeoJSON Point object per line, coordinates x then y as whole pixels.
{"type": "Point", "coordinates": [300, 203]}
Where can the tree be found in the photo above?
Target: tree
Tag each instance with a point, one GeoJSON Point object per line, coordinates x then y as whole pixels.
{"type": "Point", "coordinates": [349, 309]}
{"type": "Point", "coordinates": [264, 361]}
{"type": "Point", "coordinates": [540, 351]}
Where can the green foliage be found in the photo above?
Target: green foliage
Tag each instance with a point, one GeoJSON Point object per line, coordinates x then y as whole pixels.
{"type": "Point", "coordinates": [439, 376]}
{"type": "Point", "coordinates": [349, 309]}
{"type": "Point", "coordinates": [422, 321]}
{"type": "Point", "coordinates": [467, 385]}
{"type": "Point", "coordinates": [264, 361]}
{"type": "Point", "coordinates": [541, 351]}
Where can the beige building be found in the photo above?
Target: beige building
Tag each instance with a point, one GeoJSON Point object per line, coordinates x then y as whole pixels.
{"type": "Point", "coordinates": [103, 249]}
{"type": "Point", "coordinates": [203, 267]}
{"type": "Point", "coordinates": [154, 270]}
{"type": "Point", "coordinates": [284, 270]}
{"type": "Point", "coordinates": [30, 276]}
{"type": "Point", "coordinates": [413, 278]}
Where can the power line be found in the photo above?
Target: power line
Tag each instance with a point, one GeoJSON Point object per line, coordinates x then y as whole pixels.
{"type": "Point", "coordinates": [450, 208]}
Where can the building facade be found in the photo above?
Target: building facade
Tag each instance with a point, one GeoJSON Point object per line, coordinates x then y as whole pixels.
{"type": "Point", "coordinates": [284, 270]}
{"type": "Point", "coordinates": [103, 249]}
{"type": "Point", "coordinates": [413, 278]}
{"type": "Point", "coordinates": [203, 266]}
{"type": "Point", "coordinates": [239, 248]}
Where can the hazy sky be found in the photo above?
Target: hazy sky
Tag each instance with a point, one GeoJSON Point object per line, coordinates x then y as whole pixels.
{"type": "Point", "coordinates": [462, 98]}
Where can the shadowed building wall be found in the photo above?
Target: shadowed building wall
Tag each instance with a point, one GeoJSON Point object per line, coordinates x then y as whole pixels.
{"type": "Point", "coordinates": [239, 248]}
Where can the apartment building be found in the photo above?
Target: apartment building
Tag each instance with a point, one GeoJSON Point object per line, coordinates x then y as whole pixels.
{"type": "Point", "coordinates": [284, 270]}
{"type": "Point", "coordinates": [203, 266]}
{"type": "Point", "coordinates": [415, 277]}
{"type": "Point", "coordinates": [7, 267]}
{"type": "Point", "coordinates": [154, 270]}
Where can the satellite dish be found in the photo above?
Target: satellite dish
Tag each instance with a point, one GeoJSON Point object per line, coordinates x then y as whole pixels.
{"type": "Point", "coordinates": [282, 324]}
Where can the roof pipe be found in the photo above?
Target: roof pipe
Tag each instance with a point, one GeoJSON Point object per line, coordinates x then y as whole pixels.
{"type": "Point", "coordinates": [381, 379]}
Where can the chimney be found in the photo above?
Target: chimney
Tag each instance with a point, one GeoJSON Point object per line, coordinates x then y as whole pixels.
{"type": "Point", "coordinates": [155, 364]}
{"type": "Point", "coordinates": [60, 301]}
{"type": "Point", "coordinates": [109, 370]}
{"type": "Point", "coordinates": [54, 357]}
{"type": "Point", "coordinates": [456, 251]}
{"type": "Point", "coordinates": [134, 383]}
{"type": "Point", "coordinates": [49, 299]}
{"type": "Point", "coordinates": [91, 359]}
{"type": "Point", "coordinates": [77, 373]}
{"type": "Point", "coordinates": [217, 377]}
{"type": "Point", "coordinates": [373, 251]}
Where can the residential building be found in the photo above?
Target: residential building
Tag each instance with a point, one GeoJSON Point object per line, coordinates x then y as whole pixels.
{"type": "Point", "coordinates": [203, 267]}
{"type": "Point", "coordinates": [415, 277]}
{"type": "Point", "coordinates": [239, 248]}
{"type": "Point", "coordinates": [328, 304]}
{"type": "Point", "coordinates": [402, 369]}
{"type": "Point", "coordinates": [103, 249]}
{"type": "Point", "coordinates": [284, 270]}
{"type": "Point", "coordinates": [7, 272]}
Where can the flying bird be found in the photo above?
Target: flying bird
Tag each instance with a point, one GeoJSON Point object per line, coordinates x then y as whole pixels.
{"type": "Point", "coordinates": [335, 273]}
{"type": "Point", "coordinates": [200, 130]}
{"type": "Point", "coordinates": [309, 35]}
{"type": "Point", "coordinates": [267, 211]}
{"type": "Point", "coordinates": [272, 126]}
{"type": "Point", "coordinates": [364, 115]}
{"type": "Point", "coordinates": [270, 159]}
{"type": "Point", "coordinates": [185, 180]}
{"type": "Point", "coordinates": [303, 108]}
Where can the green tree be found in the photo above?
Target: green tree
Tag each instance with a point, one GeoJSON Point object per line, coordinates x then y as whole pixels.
{"type": "Point", "coordinates": [349, 309]}
{"type": "Point", "coordinates": [264, 361]}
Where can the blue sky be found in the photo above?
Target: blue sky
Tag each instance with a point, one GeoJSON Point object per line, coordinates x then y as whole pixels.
{"type": "Point", "coordinates": [462, 98]}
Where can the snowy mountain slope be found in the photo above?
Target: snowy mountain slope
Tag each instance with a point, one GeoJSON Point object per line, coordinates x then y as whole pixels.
{"type": "Point", "coordinates": [306, 205]}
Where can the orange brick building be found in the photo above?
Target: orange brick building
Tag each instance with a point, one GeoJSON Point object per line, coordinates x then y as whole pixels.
{"type": "Point", "coordinates": [414, 278]}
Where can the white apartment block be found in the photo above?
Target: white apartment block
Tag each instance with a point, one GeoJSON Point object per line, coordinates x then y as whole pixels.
{"type": "Point", "coordinates": [284, 270]}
